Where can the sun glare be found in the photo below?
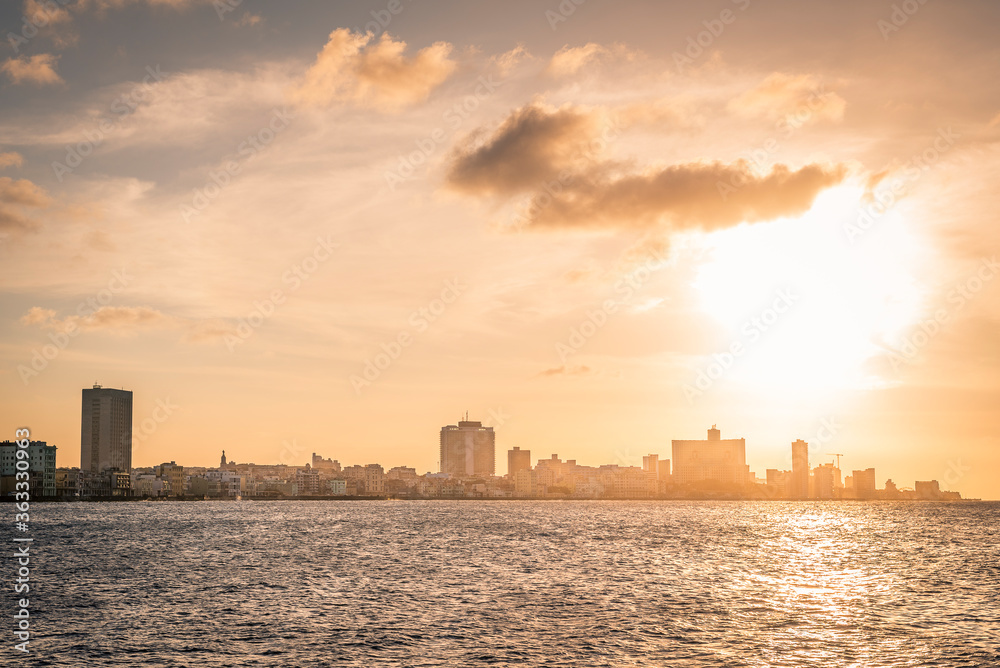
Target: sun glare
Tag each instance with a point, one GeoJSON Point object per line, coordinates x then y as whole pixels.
{"type": "Point", "coordinates": [809, 302]}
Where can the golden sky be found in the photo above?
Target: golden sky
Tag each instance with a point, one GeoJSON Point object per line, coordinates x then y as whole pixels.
{"type": "Point", "coordinates": [596, 226]}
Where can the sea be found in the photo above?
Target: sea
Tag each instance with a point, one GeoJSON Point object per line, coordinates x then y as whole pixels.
{"type": "Point", "coordinates": [509, 583]}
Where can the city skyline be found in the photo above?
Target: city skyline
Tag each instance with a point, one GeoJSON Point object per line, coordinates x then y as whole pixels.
{"type": "Point", "coordinates": [467, 451]}
{"type": "Point", "coordinates": [590, 224]}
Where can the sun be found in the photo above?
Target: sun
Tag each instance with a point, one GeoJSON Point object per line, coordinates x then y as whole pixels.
{"type": "Point", "coordinates": [809, 299]}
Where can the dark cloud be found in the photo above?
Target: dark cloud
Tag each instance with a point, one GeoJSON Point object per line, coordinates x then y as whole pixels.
{"type": "Point", "coordinates": [550, 153]}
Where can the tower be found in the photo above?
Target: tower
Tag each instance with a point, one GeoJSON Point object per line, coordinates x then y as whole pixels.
{"type": "Point", "coordinates": [468, 449]}
{"type": "Point", "coordinates": [106, 430]}
{"type": "Point", "coordinates": [799, 488]}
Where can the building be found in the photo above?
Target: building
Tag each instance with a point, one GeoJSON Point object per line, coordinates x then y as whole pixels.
{"type": "Point", "coordinates": [67, 482]}
{"type": "Point", "coordinates": [318, 462]}
{"type": "Point", "coordinates": [106, 430]}
{"type": "Point", "coordinates": [40, 465]}
{"type": "Point", "coordinates": [173, 476]}
{"type": "Point", "coordinates": [927, 489]}
{"type": "Point", "coordinates": [777, 483]}
{"type": "Point", "coordinates": [468, 449]}
{"type": "Point", "coordinates": [663, 470]}
{"type": "Point", "coordinates": [864, 484]}
{"type": "Point", "coordinates": [826, 479]}
{"type": "Point", "coordinates": [798, 485]}
{"type": "Point", "coordinates": [714, 460]}
{"type": "Point", "coordinates": [518, 460]}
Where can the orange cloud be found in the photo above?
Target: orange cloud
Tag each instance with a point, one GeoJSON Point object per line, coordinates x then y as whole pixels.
{"type": "Point", "coordinates": [569, 60]}
{"type": "Point", "coordinates": [782, 95]}
{"type": "Point", "coordinates": [11, 159]}
{"type": "Point", "coordinates": [351, 68]}
{"type": "Point", "coordinates": [531, 146]}
{"type": "Point", "coordinates": [546, 151]}
{"type": "Point", "coordinates": [567, 370]}
{"type": "Point", "coordinates": [128, 320]}
{"type": "Point", "coordinates": [38, 69]}
{"type": "Point", "coordinates": [15, 196]}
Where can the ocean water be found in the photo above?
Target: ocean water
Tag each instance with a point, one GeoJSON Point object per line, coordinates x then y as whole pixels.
{"type": "Point", "coordinates": [519, 583]}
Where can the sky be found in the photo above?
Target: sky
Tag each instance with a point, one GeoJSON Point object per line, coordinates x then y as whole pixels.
{"type": "Point", "coordinates": [336, 227]}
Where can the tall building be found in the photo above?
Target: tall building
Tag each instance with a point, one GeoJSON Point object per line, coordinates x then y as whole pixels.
{"type": "Point", "coordinates": [864, 484]}
{"type": "Point", "coordinates": [714, 460]}
{"type": "Point", "coordinates": [826, 479]}
{"type": "Point", "coordinates": [518, 460]}
{"type": "Point", "coordinates": [798, 486]}
{"type": "Point", "coordinates": [106, 430]}
{"type": "Point", "coordinates": [468, 449]}
{"type": "Point", "coordinates": [649, 463]}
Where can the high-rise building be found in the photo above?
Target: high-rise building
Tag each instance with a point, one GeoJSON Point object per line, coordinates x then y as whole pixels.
{"type": "Point", "coordinates": [713, 460]}
{"type": "Point", "coordinates": [864, 484]}
{"type": "Point", "coordinates": [826, 479]}
{"type": "Point", "coordinates": [798, 486]}
{"type": "Point", "coordinates": [518, 460]}
{"type": "Point", "coordinates": [649, 463]}
{"type": "Point", "coordinates": [468, 449]}
{"type": "Point", "coordinates": [106, 430]}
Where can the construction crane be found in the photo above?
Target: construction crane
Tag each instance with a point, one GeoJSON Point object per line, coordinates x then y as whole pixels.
{"type": "Point", "coordinates": [838, 455]}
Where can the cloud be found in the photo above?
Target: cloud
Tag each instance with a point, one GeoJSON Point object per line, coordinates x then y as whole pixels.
{"type": "Point", "coordinates": [22, 192]}
{"type": "Point", "coordinates": [15, 196]}
{"type": "Point", "coordinates": [103, 5]}
{"type": "Point", "coordinates": [351, 68]}
{"type": "Point", "coordinates": [37, 315]}
{"type": "Point", "coordinates": [38, 69]}
{"type": "Point", "coordinates": [249, 19]}
{"type": "Point", "coordinates": [11, 159]}
{"type": "Point", "coordinates": [45, 14]}
{"type": "Point", "coordinates": [784, 95]}
{"type": "Point", "coordinates": [708, 195]}
{"type": "Point", "coordinates": [530, 147]}
{"type": "Point", "coordinates": [506, 62]}
{"type": "Point", "coordinates": [539, 150]}
{"type": "Point", "coordinates": [569, 60]}
{"type": "Point", "coordinates": [127, 321]}
{"type": "Point", "coordinates": [567, 370]}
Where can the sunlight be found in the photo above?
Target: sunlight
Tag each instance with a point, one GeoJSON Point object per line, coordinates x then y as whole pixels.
{"type": "Point", "coordinates": [810, 306]}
